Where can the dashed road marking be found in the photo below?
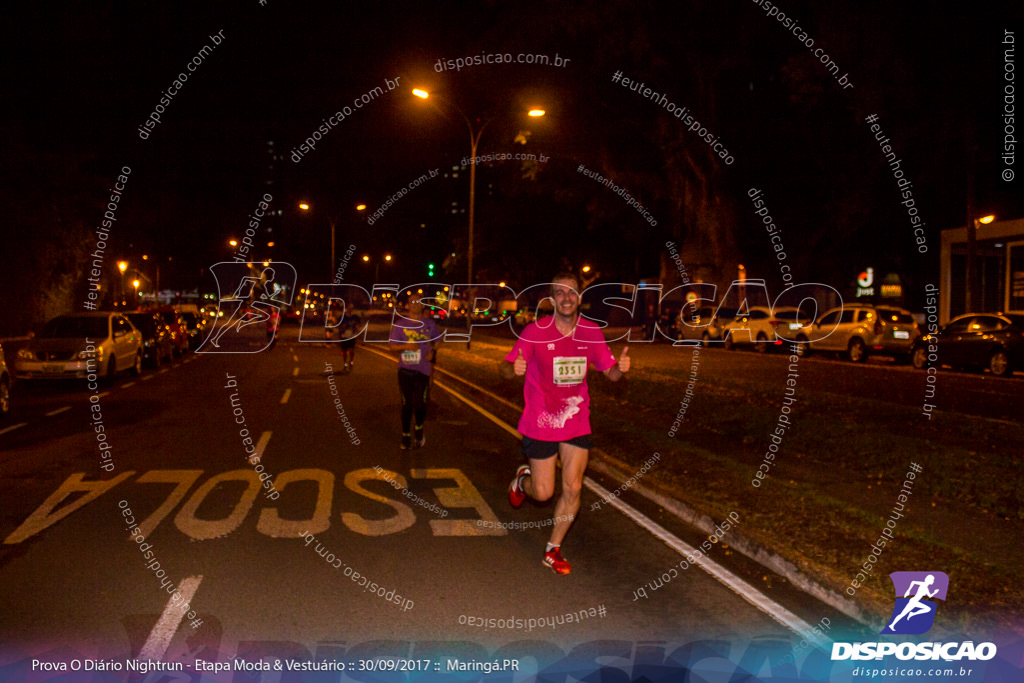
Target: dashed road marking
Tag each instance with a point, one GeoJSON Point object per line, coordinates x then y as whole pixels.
{"type": "Point", "coordinates": [12, 427]}
{"type": "Point", "coordinates": [287, 394]}
{"type": "Point", "coordinates": [58, 411]}
{"type": "Point", "coordinates": [262, 444]}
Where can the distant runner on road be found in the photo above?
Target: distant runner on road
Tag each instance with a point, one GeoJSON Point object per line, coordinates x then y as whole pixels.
{"type": "Point", "coordinates": [554, 354]}
{"type": "Point", "coordinates": [413, 339]}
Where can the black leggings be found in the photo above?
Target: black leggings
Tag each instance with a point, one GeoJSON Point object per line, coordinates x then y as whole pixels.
{"type": "Point", "coordinates": [413, 386]}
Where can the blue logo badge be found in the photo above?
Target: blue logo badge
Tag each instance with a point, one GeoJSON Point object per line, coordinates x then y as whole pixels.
{"type": "Point", "coordinates": [915, 609]}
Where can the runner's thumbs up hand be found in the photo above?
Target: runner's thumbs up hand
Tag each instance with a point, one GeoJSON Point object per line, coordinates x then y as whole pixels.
{"type": "Point", "coordinates": [624, 360]}
{"type": "Point", "coordinates": [519, 365]}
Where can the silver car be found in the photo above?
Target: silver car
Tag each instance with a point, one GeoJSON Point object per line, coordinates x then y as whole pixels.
{"type": "Point", "coordinates": [859, 330]}
{"type": "Point", "coordinates": [759, 327]}
{"type": "Point", "coordinates": [78, 345]}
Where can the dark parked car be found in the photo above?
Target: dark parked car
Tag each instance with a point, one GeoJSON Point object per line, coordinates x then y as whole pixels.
{"type": "Point", "coordinates": [195, 326]}
{"type": "Point", "coordinates": [156, 338]}
{"type": "Point", "coordinates": [179, 335]}
{"type": "Point", "coordinates": [975, 341]}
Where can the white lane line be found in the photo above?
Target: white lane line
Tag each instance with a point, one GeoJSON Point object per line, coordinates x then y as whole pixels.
{"type": "Point", "coordinates": [287, 393]}
{"type": "Point", "coordinates": [724, 576]}
{"type": "Point", "coordinates": [295, 372]}
{"type": "Point", "coordinates": [163, 371]}
{"type": "Point", "coordinates": [261, 444]}
{"type": "Point", "coordinates": [127, 384]}
{"type": "Point", "coordinates": [12, 427]}
{"type": "Point", "coordinates": [295, 358]}
{"type": "Point", "coordinates": [58, 411]}
{"type": "Point", "coordinates": [105, 393]}
{"type": "Point", "coordinates": [160, 637]}
{"type": "Point", "coordinates": [490, 416]}
{"type": "Point", "coordinates": [148, 377]}
{"type": "Point", "coordinates": [481, 389]}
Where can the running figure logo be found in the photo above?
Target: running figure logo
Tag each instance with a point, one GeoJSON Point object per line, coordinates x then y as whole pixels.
{"type": "Point", "coordinates": [915, 614]}
{"type": "Point", "coordinates": [257, 293]}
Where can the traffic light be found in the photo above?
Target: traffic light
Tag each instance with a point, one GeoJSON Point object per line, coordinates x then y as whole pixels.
{"type": "Point", "coordinates": [430, 270]}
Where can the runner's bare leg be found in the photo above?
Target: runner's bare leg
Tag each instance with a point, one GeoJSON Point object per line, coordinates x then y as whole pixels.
{"type": "Point", "coordinates": [574, 465]}
{"type": "Point", "coordinates": [540, 485]}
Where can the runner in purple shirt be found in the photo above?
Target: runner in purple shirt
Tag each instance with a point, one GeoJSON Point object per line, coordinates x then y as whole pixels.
{"type": "Point", "coordinates": [554, 354]}
{"type": "Point", "coordinates": [413, 338]}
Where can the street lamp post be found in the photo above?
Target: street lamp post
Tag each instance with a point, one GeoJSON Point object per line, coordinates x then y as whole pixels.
{"type": "Point", "coordinates": [474, 141]}
{"type": "Point", "coordinates": [970, 275]}
{"type": "Point", "coordinates": [333, 220]}
{"type": "Point", "coordinates": [122, 266]}
{"type": "Point", "coordinates": [376, 268]}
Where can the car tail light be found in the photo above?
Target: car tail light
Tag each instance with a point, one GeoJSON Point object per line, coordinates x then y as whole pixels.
{"type": "Point", "coordinates": [773, 323]}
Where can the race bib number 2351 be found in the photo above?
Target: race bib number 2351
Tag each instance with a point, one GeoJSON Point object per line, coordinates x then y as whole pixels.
{"type": "Point", "coordinates": [569, 369]}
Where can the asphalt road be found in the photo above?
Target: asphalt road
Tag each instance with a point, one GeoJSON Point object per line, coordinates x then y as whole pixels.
{"type": "Point", "coordinates": [292, 570]}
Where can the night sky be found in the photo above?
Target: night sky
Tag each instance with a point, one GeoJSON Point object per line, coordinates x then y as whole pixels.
{"type": "Point", "coordinates": [81, 78]}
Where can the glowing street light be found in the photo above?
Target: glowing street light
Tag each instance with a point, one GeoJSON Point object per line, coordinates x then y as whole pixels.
{"type": "Point", "coordinates": [333, 221]}
{"type": "Point", "coordinates": [474, 141]}
{"type": "Point", "coordinates": [971, 267]}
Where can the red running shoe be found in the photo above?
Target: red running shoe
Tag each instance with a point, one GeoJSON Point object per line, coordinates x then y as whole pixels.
{"type": "Point", "coordinates": [516, 494]}
{"type": "Point", "coordinates": [554, 559]}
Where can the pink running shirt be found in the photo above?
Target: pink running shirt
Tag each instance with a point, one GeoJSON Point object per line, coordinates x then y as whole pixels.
{"type": "Point", "coordinates": [555, 389]}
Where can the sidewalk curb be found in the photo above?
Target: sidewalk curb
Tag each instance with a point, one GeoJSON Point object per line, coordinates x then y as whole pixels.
{"type": "Point", "coordinates": [616, 469]}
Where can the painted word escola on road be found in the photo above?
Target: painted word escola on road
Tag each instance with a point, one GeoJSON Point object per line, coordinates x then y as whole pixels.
{"type": "Point", "coordinates": [270, 521]}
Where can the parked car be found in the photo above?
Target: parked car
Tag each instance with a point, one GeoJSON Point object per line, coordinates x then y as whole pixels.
{"type": "Point", "coordinates": [156, 338]}
{"type": "Point", "coordinates": [859, 330]}
{"type": "Point", "coordinates": [62, 348]}
{"type": "Point", "coordinates": [195, 326]}
{"type": "Point", "coordinates": [976, 340]}
{"type": "Point", "coordinates": [796, 325]}
{"type": "Point", "coordinates": [5, 386]}
{"type": "Point", "coordinates": [179, 335]}
{"type": "Point", "coordinates": [758, 327]}
{"type": "Point", "coordinates": [705, 324]}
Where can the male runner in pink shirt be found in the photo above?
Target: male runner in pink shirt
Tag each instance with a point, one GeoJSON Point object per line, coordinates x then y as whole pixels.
{"type": "Point", "coordinates": [554, 354]}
